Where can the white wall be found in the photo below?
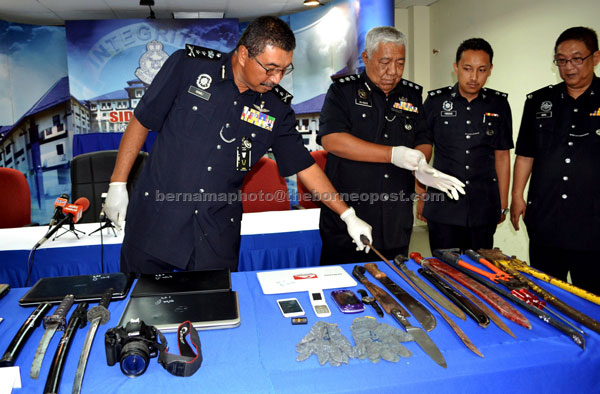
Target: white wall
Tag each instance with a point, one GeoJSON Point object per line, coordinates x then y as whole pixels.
{"type": "Point", "coordinates": [522, 34]}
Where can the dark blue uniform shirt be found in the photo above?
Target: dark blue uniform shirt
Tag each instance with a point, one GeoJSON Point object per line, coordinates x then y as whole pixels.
{"type": "Point", "coordinates": [465, 136]}
{"type": "Point", "coordinates": [180, 204]}
{"type": "Point", "coordinates": [356, 106]}
{"type": "Point", "coordinates": [562, 134]}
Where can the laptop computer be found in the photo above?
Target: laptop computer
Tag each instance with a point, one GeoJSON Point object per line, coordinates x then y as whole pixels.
{"type": "Point", "coordinates": [183, 282]}
{"type": "Point", "coordinates": [206, 311]}
{"type": "Point", "coordinates": [84, 287]}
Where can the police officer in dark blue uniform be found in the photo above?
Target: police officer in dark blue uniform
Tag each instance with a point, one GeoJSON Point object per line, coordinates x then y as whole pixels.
{"type": "Point", "coordinates": [471, 129]}
{"type": "Point", "coordinates": [369, 124]}
{"type": "Point", "coordinates": [216, 114]}
{"type": "Point", "coordinates": [559, 146]}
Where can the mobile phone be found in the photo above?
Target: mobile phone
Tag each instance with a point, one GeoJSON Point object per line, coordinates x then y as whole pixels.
{"type": "Point", "coordinates": [290, 307]}
{"type": "Point", "coordinates": [317, 300]}
{"type": "Point", "coordinates": [347, 301]}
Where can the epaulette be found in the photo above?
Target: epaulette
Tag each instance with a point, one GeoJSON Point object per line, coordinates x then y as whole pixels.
{"type": "Point", "coordinates": [282, 94]}
{"type": "Point", "coordinates": [413, 85]}
{"type": "Point", "coordinates": [346, 78]}
{"type": "Point", "coordinates": [198, 52]}
{"type": "Point", "coordinates": [543, 91]}
{"type": "Point", "coordinates": [495, 92]}
{"type": "Point", "coordinates": [439, 91]}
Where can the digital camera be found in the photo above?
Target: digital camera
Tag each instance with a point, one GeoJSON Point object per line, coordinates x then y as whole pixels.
{"type": "Point", "coordinates": [132, 346]}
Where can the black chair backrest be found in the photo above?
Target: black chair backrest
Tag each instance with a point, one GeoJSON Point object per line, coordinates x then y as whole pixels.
{"type": "Point", "coordinates": [90, 176]}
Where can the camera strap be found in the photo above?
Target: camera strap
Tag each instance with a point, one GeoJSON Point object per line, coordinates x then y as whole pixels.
{"type": "Point", "coordinates": [189, 360]}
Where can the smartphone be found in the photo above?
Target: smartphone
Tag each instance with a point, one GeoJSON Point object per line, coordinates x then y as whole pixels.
{"type": "Point", "coordinates": [347, 301]}
{"type": "Point", "coordinates": [317, 300]}
{"type": "Point", "coordinates": [290, 307]}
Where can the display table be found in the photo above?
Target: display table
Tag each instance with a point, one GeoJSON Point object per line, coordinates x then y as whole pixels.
{"type": "Point", "coordinates": [260, 357]}
{"type": "Point", "coordinates": [270, 240]}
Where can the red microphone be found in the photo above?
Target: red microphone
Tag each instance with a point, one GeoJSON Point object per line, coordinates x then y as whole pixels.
{"type": "Point", "coordinates": [72, 212]}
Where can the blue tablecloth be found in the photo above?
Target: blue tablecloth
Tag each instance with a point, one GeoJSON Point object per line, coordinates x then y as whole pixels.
{"type": "Point", "coordinates": [257, 252]}
{"type": "Point", "coordinates": [260, 357]}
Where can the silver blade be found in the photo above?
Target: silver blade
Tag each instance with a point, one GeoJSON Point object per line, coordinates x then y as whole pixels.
{"type": "Point", "coordinates": [41, 351]}
{"type": "Point", "coordinates": [85, 352]}
{"type": "Point", "coordinates": [427, 345]}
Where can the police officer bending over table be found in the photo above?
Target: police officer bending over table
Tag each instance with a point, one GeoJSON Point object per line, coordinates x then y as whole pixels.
{"type": "Point", "coordinates": [216, 114]}
{"type": "Point", "coordinates": [471, 129]}
{"type": "Point", "coordinates": [369, 125]}
{"type": "Point", "coordinates": [559, 146]}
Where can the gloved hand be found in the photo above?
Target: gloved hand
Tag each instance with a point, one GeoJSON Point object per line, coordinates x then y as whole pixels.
{"type": "Point", "coordinates": [115, 205]}
{"type": "Point", "coordinates": [356, 228]}
{"type": "Point", "coordinates": [378, 340]}
{"type": "Point", "coordinates": [327, 342]}
{"type": "Point", "coordinates": [429, 176]}
{"type": "Point", "coordinates": [407, 158]}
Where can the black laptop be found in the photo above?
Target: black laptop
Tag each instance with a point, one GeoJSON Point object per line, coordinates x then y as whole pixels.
{"type": "Point", "coordinates": [187, 282]}
{"type": "Point", "coordinates": [83, 287]}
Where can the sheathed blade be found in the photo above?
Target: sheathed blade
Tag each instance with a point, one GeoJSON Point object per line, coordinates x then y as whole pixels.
{"type": "Point", "coordinates": [83, 358]}
{"type": "Point", "coordinates": [431, 292]}
{"type": "Point", "coordinates": [422, 340]}
{"type": "Point", "coordinates": [41, 351]}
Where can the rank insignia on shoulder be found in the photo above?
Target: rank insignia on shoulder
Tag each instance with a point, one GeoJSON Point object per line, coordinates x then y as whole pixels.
{"type": "Point", "coordinates": [413, 85]}
{"type": "Point", "coordinates": [435, 92]}
{"type": "Point", "coordinates": [496, 92]}
{"type": "Point", "coordinates": [199, 52]}
{"type": "Point", "coordinates": [595, 113]}
{"type": "Point", "coordinates": [346, 78]}
{"type": "Point", "coordinates": [282, 94]}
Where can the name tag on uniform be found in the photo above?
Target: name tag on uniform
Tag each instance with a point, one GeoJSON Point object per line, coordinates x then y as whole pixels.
{"type": "Point", "coordinates": [543, 115]}
{"type": "Point", "coordinates": [203, 94]}
{"type": "Point", "coordinates": [448, 114]}
{"type": "Point", "coordinates": [257, 118]}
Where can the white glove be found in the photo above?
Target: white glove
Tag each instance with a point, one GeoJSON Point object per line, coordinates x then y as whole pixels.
{"type": "Point", "coordinates": [429, 176]}
{"type": "Point", "coordinates": [356, 228]}
{"type": "Point", "coordinates": [115, 205]}
{"type": "Point", "coordinates": [406, 158]}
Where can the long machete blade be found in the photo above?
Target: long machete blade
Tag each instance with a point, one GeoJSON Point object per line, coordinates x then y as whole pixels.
{"type": "Point", "coordinates": [51, 324]}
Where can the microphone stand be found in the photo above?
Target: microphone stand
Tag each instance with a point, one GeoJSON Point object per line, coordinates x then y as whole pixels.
{"type": "Point", "coordinates": [105, 222]}
{"type": "Point", "coordinates": [71, 229]}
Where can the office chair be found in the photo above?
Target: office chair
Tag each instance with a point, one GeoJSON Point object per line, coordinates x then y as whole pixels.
{"type": "Point", "coordinates": [90, 176]}
{"type": "Point", "coordinates": [320, 157]}
{"type": "Point", "coordinates": [264, 188]}
{"type": "Point", "coordinates": [15, 199]}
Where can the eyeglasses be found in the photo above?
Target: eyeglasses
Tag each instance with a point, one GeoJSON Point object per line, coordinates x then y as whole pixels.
{"type": "Point", "coordinates": [576, 61]}
{"type": "Point", "coordinates": [275, 71]}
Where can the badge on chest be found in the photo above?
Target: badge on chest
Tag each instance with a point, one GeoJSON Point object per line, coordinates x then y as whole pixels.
{"type": "Point", "coordinates": [244, 151]}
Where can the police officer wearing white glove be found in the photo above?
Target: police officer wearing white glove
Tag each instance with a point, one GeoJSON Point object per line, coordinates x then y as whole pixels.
{"type": "Point", "coordinates": [115, 205]}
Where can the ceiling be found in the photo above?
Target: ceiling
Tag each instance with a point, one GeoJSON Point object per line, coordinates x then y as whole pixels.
{"type": "Point", "coordinates": [55, 12]}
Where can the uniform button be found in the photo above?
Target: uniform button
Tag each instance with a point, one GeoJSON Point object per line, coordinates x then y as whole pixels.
{"type": "Point", "coordinates": [201, 190]}
{"type": "Point", "coordinates": [386, 176]}
{"type": "Point", "coordinates": [468, 122]}
{"type": "Point", "coordinates": [232, 220]}
{"type": "Point", "coordinates": [235, 103]}
{"type": "Point", "coordinates": [209, 168]}
{"type": "Point", "coordinates": [575, 110]}
{"type": "Point", "coordinates": [364, 115]}
{"type": "Point", "coordinates": [466, 167]}
{"type": "Point", "coordinates": [227, 125]}
{"type": "Point", "coordinates": [468, 137]}
{"type": "Point", "coordinates": [570, 143]}
{"type": "Point", "coordinates": [218, 146]}
{"type": "Point", "coordinates": [253, 135]}
{"type": "Point", "coordinates": [196, 212]}
{"type": "Point", "coordinates": [385, 135]}
{"type": "Point", "coordinates": [572, 126]}
{"type": "Point", "coordinates": [567, 160]}
{"type": "Point", "coordinates": [445, 122]}
{"type": "Point", "coordinates": [468, 108]}
{"type": "Point", "coordinates": [194, 108]}
{"type": "Point", "coordinates": [146, 194]}
{"type": "Point", "coordinates": [565, 178]}
{"type": "Point", "coordinates": [467, 182]}
{"type": "Point", "coordinates": [385, 197]}
{"type": "Point", "coordinates": [467, 151]}
{"type": "Point", "coordinates": [564, 196]}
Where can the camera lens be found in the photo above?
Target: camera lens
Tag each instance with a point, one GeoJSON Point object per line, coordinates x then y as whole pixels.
{"type": "Point", "coordinates": [134, 358]}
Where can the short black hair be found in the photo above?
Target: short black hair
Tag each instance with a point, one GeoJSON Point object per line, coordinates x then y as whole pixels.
{"type": "Point", "coordinates": [584, 34]}
{"type": "Point", "coordinates": [474, 44]}
{"type": "Point", "coordinates": [267, 30]}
